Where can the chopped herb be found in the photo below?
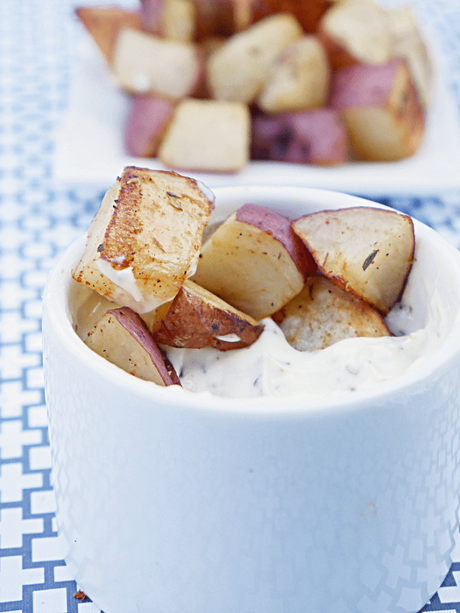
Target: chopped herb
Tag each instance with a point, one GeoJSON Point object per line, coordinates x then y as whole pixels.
{"type": "Point", "coordinates": [370, 258]}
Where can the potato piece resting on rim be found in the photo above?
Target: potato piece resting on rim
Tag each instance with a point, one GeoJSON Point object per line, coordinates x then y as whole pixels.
{"type": "Point", "coordinates": [146, 238]}
{"type": "Point", "coordinates": [122, 338]}
{"type": "Point", "coordinates": [367, 251]}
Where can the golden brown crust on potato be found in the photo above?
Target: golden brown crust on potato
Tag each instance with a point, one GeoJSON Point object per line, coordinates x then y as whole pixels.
{"type": "Point", "coordinates": [146, 238]}
{"type": "Point", "coordinates": [408, 44]}
{"type": "Point", "coordinates": [137, 185]}
{"type": "Point", "coordinates": [226, 17]}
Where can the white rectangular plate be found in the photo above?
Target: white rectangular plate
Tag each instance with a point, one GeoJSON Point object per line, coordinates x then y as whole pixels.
{"type": "Point", "coordinates": [89, 146]}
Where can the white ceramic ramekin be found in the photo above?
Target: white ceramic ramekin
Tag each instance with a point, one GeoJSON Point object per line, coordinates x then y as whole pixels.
{"type": "Point", "coordinates": [169, 502]}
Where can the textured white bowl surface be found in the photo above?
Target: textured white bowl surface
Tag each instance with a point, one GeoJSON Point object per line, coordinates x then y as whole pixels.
{"type": "Point", "coordinates": [172, 502]}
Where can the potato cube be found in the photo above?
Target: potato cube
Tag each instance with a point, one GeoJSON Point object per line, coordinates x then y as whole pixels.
{"type": "Point", "coordinates": [145, 239]}
{"type": "Point", "coordinates": [323, 314]}
{"type": "Point", "coordinates": [299, 78]}
{"type": "Point", "coordinates": [254, 261]}
{"type": "Point", "coordinates": [147, 63]}
{"type": "Point", "coordinates": [380, 107]}
{"type": "Point", "coordinates": [367, 251]}
{"type": "Point", "coordinates": [238, 70]}
{"type": "Point", "coordinates": [207, 135]}
{"type": "Point", "coordinates": [356, 31]}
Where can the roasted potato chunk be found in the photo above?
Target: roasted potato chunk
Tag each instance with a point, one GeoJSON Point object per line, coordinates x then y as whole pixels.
{"type": "Point", "coordinates": [367, 251]}
{"type": "Point", "coordinates": [380, 107]}
{"type": "Point", "coordinates": [317, 136]}
{"type": "Point", "coordinates": [237, 70]}
{"type": "Point", "coordinates": [206, 134]}
{"type": "Point", "coordinates": [197, 318]}
{"type": "Point", "coordinates": [146, 63]}
{"type": "Point", "coordinates": [299, 79]}
{"type": "Point", "coordinates": [122, 338]}
{"type": "Point", "coordinates": [356, 31]}
{"type": "Point", "coordinates": [145, 239]}
{"type": "Point", "coordinates": [254, 261]}
{"type": "Point", "coordinates": [323, 314]}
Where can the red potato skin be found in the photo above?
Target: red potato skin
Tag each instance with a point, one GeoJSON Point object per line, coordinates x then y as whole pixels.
{"type": "Point", "coordinates": [280, 228]}
{"type": "Point", "coordinates": [133, 323]}
{"type": "Point", "coordinates": [307, 137]}
{"type": "Point", "coordinates": [362, 85]}
{"type": "Point", "coordinates": [358, 91]}
{"type": "Point", "coordinates": [150, 14]}
{"type": "Point", "coordinates": [147, 121]}
{"type": "Point", "coordinates": [192, 323]}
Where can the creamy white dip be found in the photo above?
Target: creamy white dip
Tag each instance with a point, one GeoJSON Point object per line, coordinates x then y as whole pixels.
{"type": "Point", "coordinates": [122, 278]}
{"type": "Point", "coordinates": [271, 367]}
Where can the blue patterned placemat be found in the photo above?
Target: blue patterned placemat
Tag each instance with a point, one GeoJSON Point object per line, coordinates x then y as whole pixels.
{"type": "Point", "coordinates": [38, 219]}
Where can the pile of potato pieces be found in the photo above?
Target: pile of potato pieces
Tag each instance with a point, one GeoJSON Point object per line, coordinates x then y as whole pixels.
{"type": "Point", "coordinates": [214, 83]}
{"type": "Point", "coordinates": [323, 277]}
